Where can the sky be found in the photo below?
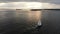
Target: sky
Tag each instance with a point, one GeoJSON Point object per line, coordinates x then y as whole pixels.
{"type": "Point", "coordinates": [30, 4]}
{"type": "Point", "coordinates": [21, 5]}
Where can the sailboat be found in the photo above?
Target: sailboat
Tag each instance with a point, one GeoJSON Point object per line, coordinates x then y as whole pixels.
{"type": "Point", "coordinates": [39, 23]}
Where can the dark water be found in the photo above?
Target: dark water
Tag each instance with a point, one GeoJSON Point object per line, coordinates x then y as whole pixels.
{"type": "Point", "coordinates": [13, 22]}
{"type": "Point", "coordinates": [18, 22]}
{"type": "Point", "coordinates": [51, 22]}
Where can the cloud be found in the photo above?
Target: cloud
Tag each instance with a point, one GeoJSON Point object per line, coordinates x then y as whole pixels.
{"type": "Point", "coordinates": [21, 5]}
{"type": "Point", "coordinates": [19, 0]}
{"type": "Point", "coordinates": [29, 5]}
{"type": "Point", "coordinates": [50, 6]}
{"type": "Point", "coordinates": [51, 1]}
{"type": "Point", "coordinates": [44, 1]}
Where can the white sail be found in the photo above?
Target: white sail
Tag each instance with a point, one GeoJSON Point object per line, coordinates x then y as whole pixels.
{"type": "Point", "coordinates": [39, 23]}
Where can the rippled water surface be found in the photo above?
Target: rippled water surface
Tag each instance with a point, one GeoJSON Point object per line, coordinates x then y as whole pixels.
{"type": "Point", "coordinates": [23, 22]}
{"type": "Point", "coordinates": [17, 22]}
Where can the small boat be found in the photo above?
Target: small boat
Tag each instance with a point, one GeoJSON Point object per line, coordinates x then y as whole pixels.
{"type": "Point", "coordinates": [39, 23]}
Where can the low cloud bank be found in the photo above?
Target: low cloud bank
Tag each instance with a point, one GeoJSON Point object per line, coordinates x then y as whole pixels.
{"type": "Point", "coordinates": [29, 5]}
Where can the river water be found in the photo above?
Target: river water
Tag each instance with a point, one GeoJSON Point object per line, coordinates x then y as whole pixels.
{"type": "Point", "coordinates": [16, 21]}
{"type": "Point", "coordinates": [23, 22]}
